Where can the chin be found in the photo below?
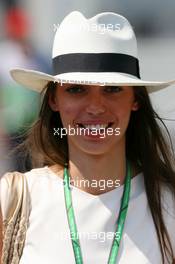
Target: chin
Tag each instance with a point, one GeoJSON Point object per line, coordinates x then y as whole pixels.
{"type": "Point", "coordinates": [96, 146]}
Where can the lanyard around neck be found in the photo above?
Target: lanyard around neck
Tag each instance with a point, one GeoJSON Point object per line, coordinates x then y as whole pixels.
{"type": "Point", "coordinates": [120, 221]}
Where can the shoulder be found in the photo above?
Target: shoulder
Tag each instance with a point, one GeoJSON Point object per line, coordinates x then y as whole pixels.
{"type": "Point", "coordinates": [31, 177]}
{"type": "Point", "coordinates": [10, 177]}
{"type": "Point", "coordinates": [11, 183]}
{"type": "Point", "coordinates": [41, 176]}
{"type": "Point", "coordinates": [43, 181]}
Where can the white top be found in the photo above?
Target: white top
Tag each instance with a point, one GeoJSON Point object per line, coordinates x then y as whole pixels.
{"type": "Point", "coordinates": [48, 238]}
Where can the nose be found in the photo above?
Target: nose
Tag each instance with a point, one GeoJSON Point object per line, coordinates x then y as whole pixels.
{"type": "Point", "coordinates": [95, 104]}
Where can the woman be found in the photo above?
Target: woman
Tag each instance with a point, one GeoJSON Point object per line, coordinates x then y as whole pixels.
{"type": "Point", "coordinates": [105, 190]}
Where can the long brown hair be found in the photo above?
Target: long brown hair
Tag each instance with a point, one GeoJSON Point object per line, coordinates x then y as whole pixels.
{"type": "Point", "coordinates": [146, 147]}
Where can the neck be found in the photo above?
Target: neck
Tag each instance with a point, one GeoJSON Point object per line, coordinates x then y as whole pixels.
{"type": "Point", "coordinates": [97, 174]}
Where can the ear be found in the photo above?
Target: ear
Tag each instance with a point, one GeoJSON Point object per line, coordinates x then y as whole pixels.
{"type": "Point", "coordinates": [135, 106]}
{"type": "Point", "coordinates": [53, 103]}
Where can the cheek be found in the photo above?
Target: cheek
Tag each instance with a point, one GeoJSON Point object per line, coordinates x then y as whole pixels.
{"type": "Point", "coordinates": [68, 112]}
{"type": "Point", "coordinates": [66, 109]}
{"type": "Point", "coordinates": [123, 113]}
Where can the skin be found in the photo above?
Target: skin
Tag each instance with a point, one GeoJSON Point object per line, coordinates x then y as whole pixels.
{"type": "Point", "coordinates": [95, 158]}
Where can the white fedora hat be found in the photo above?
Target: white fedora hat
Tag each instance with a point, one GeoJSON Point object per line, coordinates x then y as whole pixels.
{"type": "Point", "coordinates": [101, 50]}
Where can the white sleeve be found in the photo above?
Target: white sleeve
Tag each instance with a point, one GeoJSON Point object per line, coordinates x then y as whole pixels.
{"type": "Point", "coordinates": [168, 206]}
{"type": "Point", "coordinates": [4, 192]}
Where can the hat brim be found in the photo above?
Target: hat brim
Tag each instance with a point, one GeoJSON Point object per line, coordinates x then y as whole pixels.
{"type": "Point", "coordinates": [36, 80]}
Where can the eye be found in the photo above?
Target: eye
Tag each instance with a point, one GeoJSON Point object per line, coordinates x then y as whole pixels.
{"type": "Point", "coordinates": [75, 89]}
{"type": "Point", "coordinates": [113, 89]}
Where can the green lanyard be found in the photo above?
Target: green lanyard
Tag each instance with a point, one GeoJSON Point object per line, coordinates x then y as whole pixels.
{"type": "Point", "coordinates": [120, 220]}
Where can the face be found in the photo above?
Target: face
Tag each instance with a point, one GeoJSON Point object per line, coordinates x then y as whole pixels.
{"type": "Point", "coordinates": [97, 115]}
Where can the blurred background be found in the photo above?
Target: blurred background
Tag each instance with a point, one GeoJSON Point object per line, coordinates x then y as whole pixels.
{"type": "Point", "coordinates": [26, 35]}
